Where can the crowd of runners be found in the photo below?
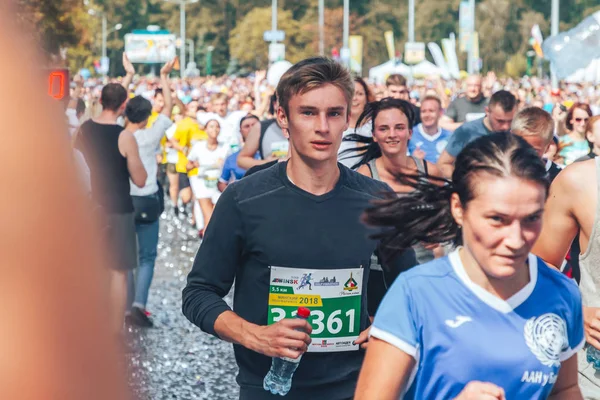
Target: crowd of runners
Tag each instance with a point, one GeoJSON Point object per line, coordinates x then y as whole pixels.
{"type": "Point", "coordinates": [450, 228]}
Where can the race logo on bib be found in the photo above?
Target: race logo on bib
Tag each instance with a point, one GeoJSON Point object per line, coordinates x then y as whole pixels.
{"type": "Point", "coordinates": [546, 337]}
{"type": "Point", "coordinates": [351, 284]}
{"type": "Point", "coordinates": [305, 281]}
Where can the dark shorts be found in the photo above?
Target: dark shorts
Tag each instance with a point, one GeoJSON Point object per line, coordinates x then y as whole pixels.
{"type": "Point", "coordinates": [171, 169]}
{"type": "Point", "coordinates": [184, 181]}
{"type": "Point", "coordinates": [162, 175]}
{"type": "Point", "coordinates": [121, 241]}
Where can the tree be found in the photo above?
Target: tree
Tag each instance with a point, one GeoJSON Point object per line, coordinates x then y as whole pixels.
{"type": "Point", "coordinates": [250, 50]}
{"type": "Point", "coordinates": [435, 20]}
{"type": "Point", "coordinates": [382, 17]}
{"type": "Point", "coordinates": [57, 23]}
{"type": "Point", "coordinates": [235, 27]}
{"type": "Point", "coordinates": [499, 38]}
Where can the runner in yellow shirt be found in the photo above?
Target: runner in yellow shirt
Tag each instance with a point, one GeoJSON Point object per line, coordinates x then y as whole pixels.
{"type": "Point", "coordinates": [180, 141]}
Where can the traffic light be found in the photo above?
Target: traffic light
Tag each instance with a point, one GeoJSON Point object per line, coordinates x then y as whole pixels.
{"type": "Point", "coordinates": [58, 84]}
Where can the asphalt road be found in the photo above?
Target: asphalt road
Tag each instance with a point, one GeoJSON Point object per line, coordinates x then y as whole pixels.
{"type": "Point", "coordinates": [175, 360]}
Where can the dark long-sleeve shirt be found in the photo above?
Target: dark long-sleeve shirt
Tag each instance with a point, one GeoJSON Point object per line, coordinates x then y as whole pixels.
{"type": "Point", "coordinates": [264, 220]}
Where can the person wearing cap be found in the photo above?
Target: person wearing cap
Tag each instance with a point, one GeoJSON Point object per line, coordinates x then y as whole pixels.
{"type": "Point", "coordinates": [272, 228]}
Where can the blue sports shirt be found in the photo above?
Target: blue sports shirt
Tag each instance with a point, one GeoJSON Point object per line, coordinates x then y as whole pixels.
{"type": "Point", "coordinates": [458, 332]}
{"type": "Point", "coordinates": [433, 146]}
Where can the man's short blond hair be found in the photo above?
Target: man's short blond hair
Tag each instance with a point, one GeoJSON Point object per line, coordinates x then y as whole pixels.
{"type": "Point", "coordinates": [533, 121]}
{"type": "Point", "coordinates": [432, 98]}
{"type": "Point", "coordinates": [313, 73]}
{"type": "Point", "coordinates": [218, 96]}
{"type": "Point", "coordinates": [395, 80]}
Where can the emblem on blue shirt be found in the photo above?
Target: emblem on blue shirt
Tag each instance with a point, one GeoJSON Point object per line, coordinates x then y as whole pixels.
{"type": "Point", "coordinates": [546, 337]}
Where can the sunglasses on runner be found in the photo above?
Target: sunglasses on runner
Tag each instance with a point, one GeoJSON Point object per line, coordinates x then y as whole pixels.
{"type": "Point", "coordinates": [581, 119]}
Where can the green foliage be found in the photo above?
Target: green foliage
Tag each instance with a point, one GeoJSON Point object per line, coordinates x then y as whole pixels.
{"type": "Point", "coordinates": [235, 27]}
{"type": "Point", "coordinates": [516, 65]}
{"type": "Point", "coordinates": [56, 24]}
{"type": "Point", "coordinates": [246, 42]}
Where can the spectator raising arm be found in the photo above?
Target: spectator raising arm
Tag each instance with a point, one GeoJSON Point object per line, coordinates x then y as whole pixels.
{"type": "Point", "coordinates": [130, 72]}
{"type": "Point", "coordinates": [164, 81]}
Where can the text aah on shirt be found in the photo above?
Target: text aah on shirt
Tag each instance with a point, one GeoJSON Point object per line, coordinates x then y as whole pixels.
{"type": "Point", "coordinates": [333, 297]}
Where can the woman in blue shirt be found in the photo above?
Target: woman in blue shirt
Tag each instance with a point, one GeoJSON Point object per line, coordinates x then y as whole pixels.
{"type": "Point", "coordinates": [489, 321]}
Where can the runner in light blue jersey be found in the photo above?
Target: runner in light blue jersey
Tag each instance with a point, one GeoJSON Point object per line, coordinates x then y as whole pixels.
{"type": "Point", "coordinates": [489, 321]}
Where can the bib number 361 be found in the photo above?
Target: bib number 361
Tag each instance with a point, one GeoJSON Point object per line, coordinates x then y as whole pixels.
{"type": "Point", "coordinates": [336, 320]}
{"type": "Point", "coordinates": [333, 297]}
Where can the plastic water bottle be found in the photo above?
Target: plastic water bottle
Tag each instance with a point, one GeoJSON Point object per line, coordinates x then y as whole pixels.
{"type": "Point", "coordinates": [279, 379]}
{"type": "Point", "coordinates": [593, 356]}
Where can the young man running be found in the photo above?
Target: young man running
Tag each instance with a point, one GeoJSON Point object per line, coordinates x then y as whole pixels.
{"type": "Point", "coordinates": [295, 218]}
{"type": "Point", "coordinates": [180, 141]}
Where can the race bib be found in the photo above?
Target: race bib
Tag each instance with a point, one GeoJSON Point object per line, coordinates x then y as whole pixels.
{"type": "Point", "coordinates": [280, 149]}
{"type": "Point", "coordinates": [211, 178]}
{"type": "Point", "coordinates": [333, 297]}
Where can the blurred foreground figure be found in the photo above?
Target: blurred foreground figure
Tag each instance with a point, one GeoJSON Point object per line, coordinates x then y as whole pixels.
{"type": "Point", "coordinates": [55, 339]}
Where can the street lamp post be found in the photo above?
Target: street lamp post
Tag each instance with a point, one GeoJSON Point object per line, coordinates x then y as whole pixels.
{"type": "Point", "coordinates": [554, 31]}
{"type": "Point", "coordinates": [345, 53]}
{"type": "Point", "coordinates": [105, 32]}
{"type": "Point", "coordinates": [182, 35]}
{"type": "Point", "coordinates": [192, 48]}
{"type": "Point", "coordinates": [471, 50]}
{"type": "Point", "coordinates": [322, 27]}
{"type": "Point", "coordinates": [209, 60]}
{"type": "Point", "coordinates": [411, 21]}
{"type": "Point", "coordinates": [274, 19]}
{"type": "Point", "coordinates": [182, 4]}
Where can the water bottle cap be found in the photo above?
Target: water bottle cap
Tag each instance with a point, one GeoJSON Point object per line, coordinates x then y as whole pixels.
{"type": "Point", "coordinates": [303, 312]}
